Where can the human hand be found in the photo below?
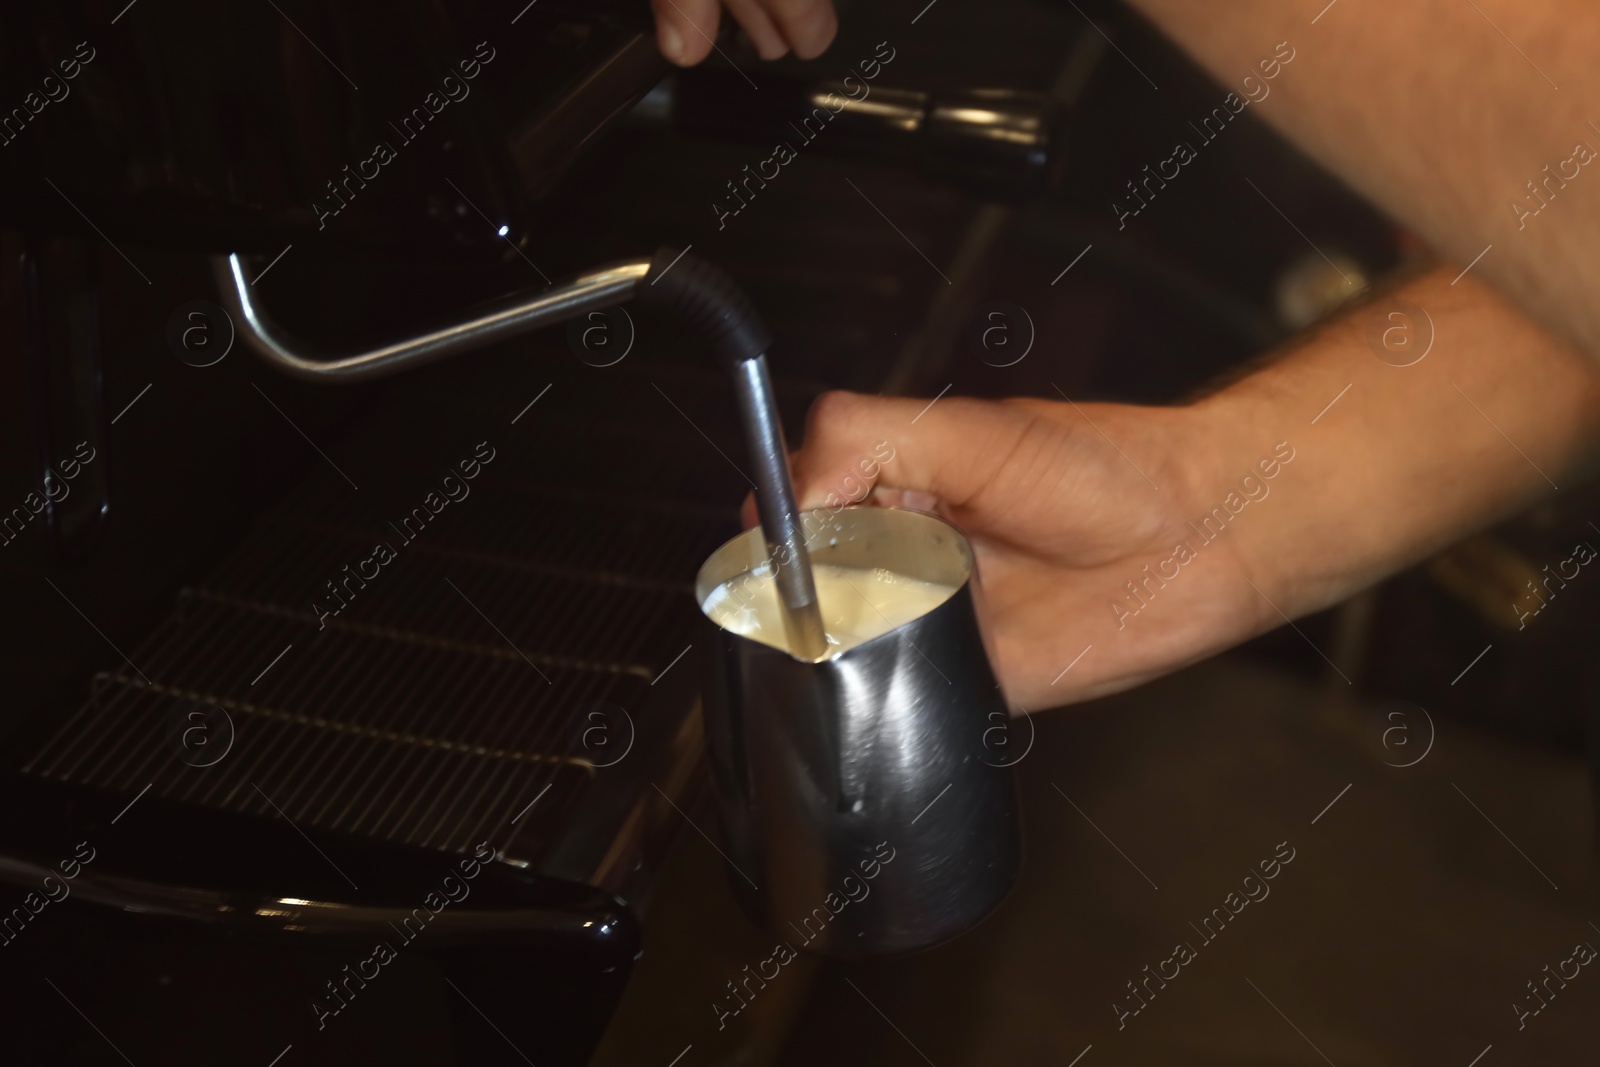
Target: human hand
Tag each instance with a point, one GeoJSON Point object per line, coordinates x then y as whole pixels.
{"type": "Point", "coordinates": [685, 29]}
{"type": "Point", "coordinates": [1060, 520]}
{"type": "Point", "coordinates": [1116, 543]}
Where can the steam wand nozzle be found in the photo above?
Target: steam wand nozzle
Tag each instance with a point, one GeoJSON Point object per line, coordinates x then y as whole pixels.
{"type": "Point", "coordinates": [708, 301]}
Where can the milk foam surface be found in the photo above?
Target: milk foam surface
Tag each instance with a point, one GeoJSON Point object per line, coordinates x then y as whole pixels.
{"type": "Point", "coordinates": [857, 604]}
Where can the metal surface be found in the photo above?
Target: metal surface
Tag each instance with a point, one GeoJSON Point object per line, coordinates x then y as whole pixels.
{"type": "Point", "coordinates": [496, 919]}
{"type": "Point", "coordinates": [780, 519]}
{"type": "Point", "coordinates": [1003, 143]}
{"type": "Point", "coordinates": [602, 288]}
{"type": "Point", "coordinates": [861, 811]}
{"type": "Point", "coordinates": [409, 718]}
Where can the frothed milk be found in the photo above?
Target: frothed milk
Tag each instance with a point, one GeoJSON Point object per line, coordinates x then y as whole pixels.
{"type": "Point", "coordinates": [857, 604]}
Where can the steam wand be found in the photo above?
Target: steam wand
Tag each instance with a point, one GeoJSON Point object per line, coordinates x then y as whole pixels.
{"type": "Point", "coordinates": [689, 288]}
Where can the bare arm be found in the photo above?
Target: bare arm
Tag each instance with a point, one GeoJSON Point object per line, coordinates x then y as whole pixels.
{"type": "Point", "coordinates": [1436, 116]}
{"type": "Point", "coordinates": [1410, 458]}
{"type": "Point", "coordinates": [1071, 507]}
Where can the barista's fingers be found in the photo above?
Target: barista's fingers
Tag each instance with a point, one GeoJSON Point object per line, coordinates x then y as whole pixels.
{"type": "Point", "coordinates": [685, 29]}
{"type": "Point", "coordinates": [750, 515]}
{"type": "Point", "coordinates": [951, 449]}
{"type": "Point", "coordinates": [905, 498]}
{"type": "Point", "coordinates": [759, 26]}
{"type": "Point", "coordinates": [809, 25]}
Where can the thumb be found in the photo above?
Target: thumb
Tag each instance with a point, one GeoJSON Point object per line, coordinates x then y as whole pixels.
{"type": "Point", "coordinates": [951, 447]}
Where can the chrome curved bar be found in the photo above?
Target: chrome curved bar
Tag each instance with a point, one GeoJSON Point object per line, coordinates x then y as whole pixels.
{"type": "Point", "coordinates": [301, 917]}
{"type": "Point", "coordinates": [483, 325]}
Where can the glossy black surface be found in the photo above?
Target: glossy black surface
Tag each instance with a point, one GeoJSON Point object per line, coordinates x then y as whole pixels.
{"type": "Point", "coordinates": [185, 888]}
{"type": "Point", "coordinates": [65, 359]}
{"type": "Point", "coordinates": [241, 127]}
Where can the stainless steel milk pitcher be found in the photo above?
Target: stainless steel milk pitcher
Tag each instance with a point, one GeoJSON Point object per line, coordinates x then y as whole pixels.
{"type": "Point", "coordinates": [863, 810]}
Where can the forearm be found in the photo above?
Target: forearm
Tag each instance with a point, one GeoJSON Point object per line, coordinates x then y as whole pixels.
{"type": "Point", "coordinates": [1409, 458]}
{"type": "Point", "coordinates": [1436, 117]}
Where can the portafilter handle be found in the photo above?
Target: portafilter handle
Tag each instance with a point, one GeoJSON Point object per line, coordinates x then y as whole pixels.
{"type": "Point", "coordinates": [676, 282]}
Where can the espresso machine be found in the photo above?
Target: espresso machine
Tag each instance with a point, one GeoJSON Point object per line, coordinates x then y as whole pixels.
{"type": "Point", "coordinates": [284, 745]}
